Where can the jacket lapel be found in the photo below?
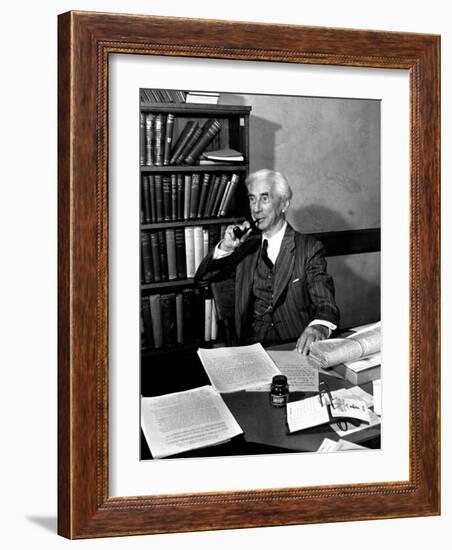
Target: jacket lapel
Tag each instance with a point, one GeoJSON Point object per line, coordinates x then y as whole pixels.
{"type": "Point", "coordinates": [244, 282]}
{"type": "Point", "coordinates": [284, 263]}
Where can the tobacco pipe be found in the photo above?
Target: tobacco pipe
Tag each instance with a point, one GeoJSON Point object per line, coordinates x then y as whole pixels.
{"type": "Point", "coordinates": [239, 232]}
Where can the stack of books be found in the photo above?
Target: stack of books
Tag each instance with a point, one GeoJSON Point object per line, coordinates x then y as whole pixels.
{"type": "Point", "coordinates": [172, 319]}
{"type": "Point", "coordinates": [221, 156]}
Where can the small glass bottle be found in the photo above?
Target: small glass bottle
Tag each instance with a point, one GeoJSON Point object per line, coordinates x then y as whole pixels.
{"type": "Point", "coordinates": [279, 391]}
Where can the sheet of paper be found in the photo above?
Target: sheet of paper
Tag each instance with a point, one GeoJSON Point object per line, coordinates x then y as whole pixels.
{"type": "Point", "coordinates": [344, 407]}
{"type": "Point", "coordinates": [237, 368]}
{"type": "Point", "coordinates": [306, 413]}
{"type": "Point", "coordinates": [330, 446]}
{"type": "Point", "coordinates": [327, 446]}
{"type": "Point", "coordinates": [301, 374]}
{"type": "Point", "coordinates": [377, 396]}
{"type": "Point", "coordinates": [355, 392]}
{"type": "Point", "coordinates": [187, 420]}
{"type": "Point", "coordinates": [343, 445]}
{"type": "Point", "coordinates": [365, 363]}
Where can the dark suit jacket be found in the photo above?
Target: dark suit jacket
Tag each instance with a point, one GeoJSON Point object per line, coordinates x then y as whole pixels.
{"type": "Point", "coordinates": [303, 290]}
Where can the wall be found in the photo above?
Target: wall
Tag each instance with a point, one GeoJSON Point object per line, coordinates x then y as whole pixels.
{"type": "Point", "coordinates": [329, 149]}
{"type": "Point", "coordinates": [28, 313]}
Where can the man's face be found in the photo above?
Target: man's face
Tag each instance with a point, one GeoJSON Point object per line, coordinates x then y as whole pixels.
{"type": "Point", "coordinates": [266, 207]}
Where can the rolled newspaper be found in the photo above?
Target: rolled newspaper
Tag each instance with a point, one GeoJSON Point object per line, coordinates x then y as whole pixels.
{"type": "Point", "coordinates": [329, 353]}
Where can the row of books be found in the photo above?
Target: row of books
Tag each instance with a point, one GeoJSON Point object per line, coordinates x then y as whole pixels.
{"type": "Point", "coordinates": [156, 140]}
{"type": "Point", "coordinates": [175, 254]}
{"type": "Point", "coordinates": [155, 95]}
{"type": "Point", "coordinates": [171, 319]}
{"type": "Point", "coordinates": [178, 197]}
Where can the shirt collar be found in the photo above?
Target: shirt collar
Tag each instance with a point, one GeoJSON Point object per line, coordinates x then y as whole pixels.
{"type": "Point", "coordinates": [274, 242]}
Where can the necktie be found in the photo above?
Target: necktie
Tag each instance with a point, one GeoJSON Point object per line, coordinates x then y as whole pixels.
{"type": "Point", "coordinates": [264, 254]}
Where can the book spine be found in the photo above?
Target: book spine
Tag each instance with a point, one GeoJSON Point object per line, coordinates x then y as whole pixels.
{"type": "Point", "coordinates": [168, 306]}
{"type": "Point", "coordinates": [194, 137]}
{"type": "Point", "coordinates": [194, 195]}
{"type": "Point", "coordinates": [158, 197]}
{"type": "Point", "coordinates": [203, 195]}
{"type": "Point", "coordinates": [209, 131]}
{"type": "Point", "coordinates": [214, 328]}
{"type": "Point", "coordinates": [187, 303]}
{"type": "Point", "coordinates": [211, 198]}
{"type": "Point", "coordinates": [158, 140]}
{"type": "Point", "coordinates": [187, 193]}
{"type": "Point", "coordinates": [168, 138]}
{"type": "Point", "coordinates": [147, 322]}
{"type": "Point", "coordinates": [180, 318]}
{"type": "Point", "coordinates": [166, 186]}
{"type": "Point", "coordinates": [146, 199]}
{"type": "Point", "coordinates": [198, 314]}
{"type": "Point", "coordinates": [142, 139]}
{"type": "Point", "coordinates": [180, 253]}
{"type": "Point", "coordinates": [171, 253]}
{"type": "Point", "coordinates": [185, 135]}
{"type": "Point", "coordinates": [219, 195]}
{"type": "Point", "coordinates": [146, 257]}
{"type": "Point", "coordinates": [229, 195]}
{"type": "Point", "coordinates": [162, 254]}
{"type": "Point", "coordinates": [214, 236]}
{"type": "Point", "coordinates": [180, 197]}
{"type": "Point", "coordinates": [225, 194]}
{"type": "Point", "coordinates": [173, 197]}
{"type": "Point", "coordinates": [205, 242]}
{"type": "Point", "coordinates": [155, 257]}
{"type": "Point", "coordinates": [190, 251]}
{"type": "Point", "coordinates": [208, 319]}
{"type": "Point", "coordinates": [199, 245]}
{"type": "Point", "coordinates": [149, 138]}
{"type": "Point", "coordinates": [223, 228]}
{"type": "Point", "coordinates": [152, 198]}
{"type": "Point", "coordinates": [156, 315]}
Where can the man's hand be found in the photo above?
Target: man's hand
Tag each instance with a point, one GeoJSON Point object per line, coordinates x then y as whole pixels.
{"type": "Point", "coordinates": [230, 241]}
{"type": "Point", "coordinates": [309, 335]}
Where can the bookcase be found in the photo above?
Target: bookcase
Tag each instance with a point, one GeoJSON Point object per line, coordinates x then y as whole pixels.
{"type": "Point", "coordinates": [186, 203]}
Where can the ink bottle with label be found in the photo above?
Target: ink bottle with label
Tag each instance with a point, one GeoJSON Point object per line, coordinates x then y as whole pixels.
{"type": "Point", "coordinates": [279, 391]}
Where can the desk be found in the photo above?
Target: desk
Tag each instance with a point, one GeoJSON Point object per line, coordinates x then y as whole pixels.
{"type": "Point", "coordinates": [264, 426]}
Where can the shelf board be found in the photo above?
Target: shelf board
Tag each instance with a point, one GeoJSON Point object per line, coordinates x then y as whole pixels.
{"type": "Point", "coordinates": [167, 284]}
{"type": "Point", "coordinates": [193, 222]}
{"type": "Point", "coordinates": [201, 109]}
{"type": "Point", "coordinates": [194, 168]}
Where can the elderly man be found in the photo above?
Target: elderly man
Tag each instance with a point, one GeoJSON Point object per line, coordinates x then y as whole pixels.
{"type": "Point", "coordinates": [282, 289]}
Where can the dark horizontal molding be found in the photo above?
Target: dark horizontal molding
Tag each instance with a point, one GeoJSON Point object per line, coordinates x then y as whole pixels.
{"type": "Point", "coordinates": [353, 241]}
{"type": "Point", "coordinates": [189, 168]}
{"type": "Point", "coordinates": [192, 222]}
{"type": "Point", "coordinates": [201, 109]}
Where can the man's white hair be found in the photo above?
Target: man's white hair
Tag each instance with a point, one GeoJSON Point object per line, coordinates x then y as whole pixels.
{"type": "Point", "coordinates": [279, 183]}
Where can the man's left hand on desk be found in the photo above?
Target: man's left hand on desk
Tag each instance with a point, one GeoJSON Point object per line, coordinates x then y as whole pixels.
{"type": "Point", "coordinates": [311, 334]}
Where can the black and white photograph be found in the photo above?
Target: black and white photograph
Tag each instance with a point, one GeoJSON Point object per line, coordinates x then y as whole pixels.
{"type": "Point", "coordinates": [259, 281]}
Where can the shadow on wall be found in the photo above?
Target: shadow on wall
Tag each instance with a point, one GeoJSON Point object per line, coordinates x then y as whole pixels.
{"type": "Point", "coordinates": [356, 276]}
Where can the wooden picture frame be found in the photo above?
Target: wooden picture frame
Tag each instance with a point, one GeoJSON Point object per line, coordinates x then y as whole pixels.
{"type": "Point", "coordinates": [86, 40]}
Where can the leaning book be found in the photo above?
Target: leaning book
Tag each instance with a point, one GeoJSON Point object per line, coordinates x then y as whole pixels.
{"type": "Point", "coordinates": [184, 421]}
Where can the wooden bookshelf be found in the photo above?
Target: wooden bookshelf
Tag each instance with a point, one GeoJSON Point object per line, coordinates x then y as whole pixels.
{"type": "Point", "coordinates": [163, 183]}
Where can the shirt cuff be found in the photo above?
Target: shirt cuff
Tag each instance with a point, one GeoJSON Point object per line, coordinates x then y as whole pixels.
{"type": "Point", "coordinates": [218, 253]}
{"type": "Point", "coordinates": [327, 324]}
